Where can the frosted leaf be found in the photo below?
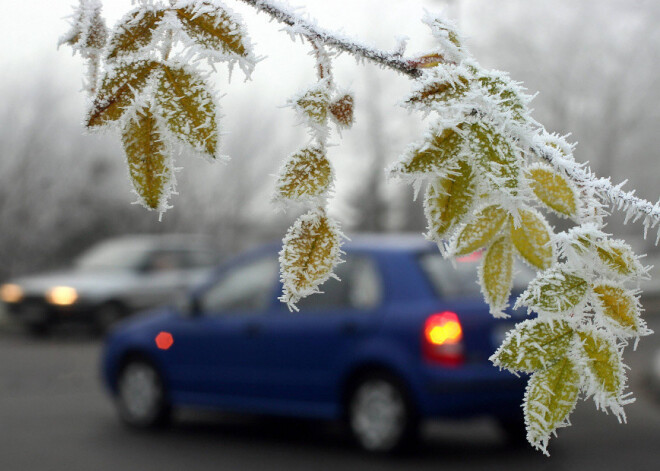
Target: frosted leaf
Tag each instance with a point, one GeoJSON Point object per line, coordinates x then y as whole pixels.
{"type": "Point", "coordinates": [496, 275]}
{"type": "Point", "coordinates": [479, 231]}
{"type": "Point", "coordinates": [553, 189]}
{"type": "Point", "coordinates": [437, 153]}
{"type": "Point", "coordinates": [117, 91]}
{"type": "Point", "coordinates": [149, 164]}
{"type": "Point", "coordinates": [618, 258]}
{"type": "Point", "coordinates": [620, 306]}
{"type": "Point", "coordinates": [213, 32]}
{"type": "Point", "coordinates": [550, 398]}
{"type": "Point", "coordinates": [448, 200]}
{"type": "Point", "coordinates": [440, 86]}
{"type": "Point", "coordinates": [554, 290]}
{"type": "Point", "coordinates": [497, 156]}
{"type": "Point", "coordinates": [313, 104]}
{"type": "Point", "coordinates": [532, 239]}
{"type": "Point", "coordinates": [534, 345]}
{"type": "Point", "coordinates": [188, 107]}
{"type": "Point", "coordinates": [446, 33]}
{"type": "Point", "coordinates": [603, 365]}
{"type": "Point", "coordinates": [306, 176]}
{"type": "Point", "coordinates": [135, 31]}
{"type": "Point", "coordinates": [341, 111]}
{"type": "Point", "coordinates": [88, 33]}
{"type": "Point", "coordinates": [507, 95]}
{"type": "Point", "coordinates": [311, 249]}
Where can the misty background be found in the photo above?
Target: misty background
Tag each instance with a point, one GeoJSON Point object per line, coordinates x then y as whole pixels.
{"type": "Point", "coordinates": [594, 63]}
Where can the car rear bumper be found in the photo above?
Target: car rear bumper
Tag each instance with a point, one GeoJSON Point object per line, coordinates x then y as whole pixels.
{"type": "Point", "coordinates": [470, 391]}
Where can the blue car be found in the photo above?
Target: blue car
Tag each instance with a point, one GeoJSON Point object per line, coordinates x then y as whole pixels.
{"type": "Point", "coordinates": [404, 337]}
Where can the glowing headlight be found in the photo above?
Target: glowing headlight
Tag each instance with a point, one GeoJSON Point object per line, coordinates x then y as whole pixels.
{"type": "Point", "coordinates": [62, 295]}
{"type": "Point", "coordinates": [11, 293]}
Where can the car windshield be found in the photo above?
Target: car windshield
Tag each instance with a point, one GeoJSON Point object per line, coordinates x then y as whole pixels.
{"type": "Point", "coordinates": [114, 255]}
{"type": "Point", "coordinates": [461, 281]}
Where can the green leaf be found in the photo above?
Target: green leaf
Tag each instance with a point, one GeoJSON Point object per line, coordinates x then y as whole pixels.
{"type": "Point", "coordinates": [532, 239]}
{"type": "Point", "coordinates": [496, 155]}
{"type": "Point", "coordinates": [534, 345]}
{"type": "Point", "coordinates": [480, 231]}
{"type": "Point", "coordinates": [135, 32]}
{"type": "Point", "coordinates": [550, 398]}
{"type": "Point", "coordinates": [117, 91]}
{"type": "Point", "coordinates": [603, 362]}
{"type": "Point", "coordinates": [307, 174]}
{"type": "Point", "coordinates": [148, 160]}
{"type": "Point", "coordinates": [553, 189]}
{"type": "Point", "coordinates": [496, 275]}
{"type": "Point", "coordinates": [188, 108]}
{"type": "Point", "coordinates": [448, 200]}
{"type": "Point", "coordinates": [506, 95]}
{"type": "Point", "coordinates": [435, 155]}
{"type": "Point", "coordinates": [555, 291]}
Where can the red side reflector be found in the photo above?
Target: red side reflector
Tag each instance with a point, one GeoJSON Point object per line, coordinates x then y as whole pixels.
{"type": "Point", "coordinates": [164, 340]}
{"type": "Point", "coordinates": [442, 339]}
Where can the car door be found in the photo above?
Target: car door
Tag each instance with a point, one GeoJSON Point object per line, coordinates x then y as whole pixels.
{"type": "Point", "coordinates": [216, 355]}
{"type": "Point", "coordinates": [302, 352]}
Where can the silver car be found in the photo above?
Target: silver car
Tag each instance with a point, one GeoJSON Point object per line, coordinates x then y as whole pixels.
{"type": "Point", "coordinates": [110, 281]}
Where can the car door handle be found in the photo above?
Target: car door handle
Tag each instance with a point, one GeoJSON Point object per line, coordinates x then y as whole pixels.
{"type": "Point", "coordinates": [253, 329]}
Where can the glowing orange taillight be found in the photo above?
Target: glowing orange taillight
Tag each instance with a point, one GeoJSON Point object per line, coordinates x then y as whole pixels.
{"type": "Point", "coordinates": [442, 339]}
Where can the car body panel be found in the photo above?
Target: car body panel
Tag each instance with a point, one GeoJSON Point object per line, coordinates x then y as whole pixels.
{"type": "Point", "coordinates": [300, 364]}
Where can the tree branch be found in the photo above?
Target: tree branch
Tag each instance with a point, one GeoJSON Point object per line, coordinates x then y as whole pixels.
{"type": "Point", "coordinates": [312, 31]}
{"type": "Point", "coordinates": [634, 207]}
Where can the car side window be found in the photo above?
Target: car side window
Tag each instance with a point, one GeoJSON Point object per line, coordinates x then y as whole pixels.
{"type": "Point", "coordinates": [243, 289]}
{"type": "Point", "coordinates": [164, 260]}
{"type": "Point", "coordinates": [359, 288]}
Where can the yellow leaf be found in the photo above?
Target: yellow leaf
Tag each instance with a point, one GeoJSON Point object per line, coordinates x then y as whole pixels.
{"type": "Point", "coordinates": [534, 345]}
{"type": "Point", "coordinates": [307, 174]}
{"type": "Point", "coordinates": [555, 291]}
{"type": "Point", "coordinates": [188, 108]}
{"type": "Point", "coordinates": [480, 231]}
{"type": "Point", "coordinates": [117, 91]}
{"type": "Point", "coordinates": [311, 249]}
{"type": "Point", "coordinates": [435, 155]}
{"type": "Point", "coordinates": [532, 239]}
{"type": "Point", "coordinates": [553, 189]}
{"type": "Point", "coordinates": [550, 398]}
{"type": "Point", "coordinates": [439, 92]}
{"type": "Point", "coordinates": [505, 94]}
{"type": "Point", "coordinates": [448, 200]}
{"type": "Point", "coordinates": [496, 155]}
{"type": "Point", "coordinates": [148, 162]}
{"type": "Point", "coordinates": [342, 111]}
{"type": "Point", "coordinates": [619, 306]}
{"type": "Point", "coordinates": [135, 31]}
{"type": "Point", "coordinates": [496, 275]}
{"type": "Point", "coordinates": [215, 29]}
{"type": "Point", "coordinates": [603, 362]}
{"type": "Point", "coordinates": [314, 104]}
{"type": "Point", "coordinates": [618, 257]}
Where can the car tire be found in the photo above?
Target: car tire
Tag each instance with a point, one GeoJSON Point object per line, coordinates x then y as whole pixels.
{"type": "Point", "coordinates": [514, 430]}
{"type": "Point", "coordinates": [380, 415]}
{"type": "Point", "coordinates": [141, 396]}
{"type": "Point", "coordinates": [106, 315]}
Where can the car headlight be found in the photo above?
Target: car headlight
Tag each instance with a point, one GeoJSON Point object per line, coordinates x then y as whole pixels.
{"type": "Point", "coordinates": [11, 293]}
{"type": "Point", "coordinates": [62, 295]}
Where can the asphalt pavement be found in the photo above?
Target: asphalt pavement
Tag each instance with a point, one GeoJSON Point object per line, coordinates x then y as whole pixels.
{"type": "Point", "coordinates": [54, 415]}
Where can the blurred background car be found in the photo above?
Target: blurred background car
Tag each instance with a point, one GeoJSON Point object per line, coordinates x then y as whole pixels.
{"type": "Point", "coordinates": [402, 338]}
{"type": "Point", "coordinates": [110, 281]}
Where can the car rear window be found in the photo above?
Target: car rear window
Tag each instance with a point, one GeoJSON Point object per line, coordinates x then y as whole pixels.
{"type": "Point", "coordinates": [461, 281]}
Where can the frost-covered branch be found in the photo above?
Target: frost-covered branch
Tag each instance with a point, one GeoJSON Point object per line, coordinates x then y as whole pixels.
{"type": "Point", "coordinates": [310, 29]}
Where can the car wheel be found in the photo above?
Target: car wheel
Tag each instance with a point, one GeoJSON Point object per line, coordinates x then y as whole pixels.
{"type": "Point", "coordinates": [514, 430]}
{"type": "Point", "coordinates": [106, 315]}
{"type": "Point", "coordinates": [380, 416]}
{"type": "Point", "coordinates": [142, 398]}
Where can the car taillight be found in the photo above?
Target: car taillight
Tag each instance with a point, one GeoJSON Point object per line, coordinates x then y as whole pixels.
{"type": "Point", "coordinates": [442, 339]}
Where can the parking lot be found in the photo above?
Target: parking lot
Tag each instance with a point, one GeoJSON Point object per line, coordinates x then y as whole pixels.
{"type": "Point", "coordinates": [55, 416]}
